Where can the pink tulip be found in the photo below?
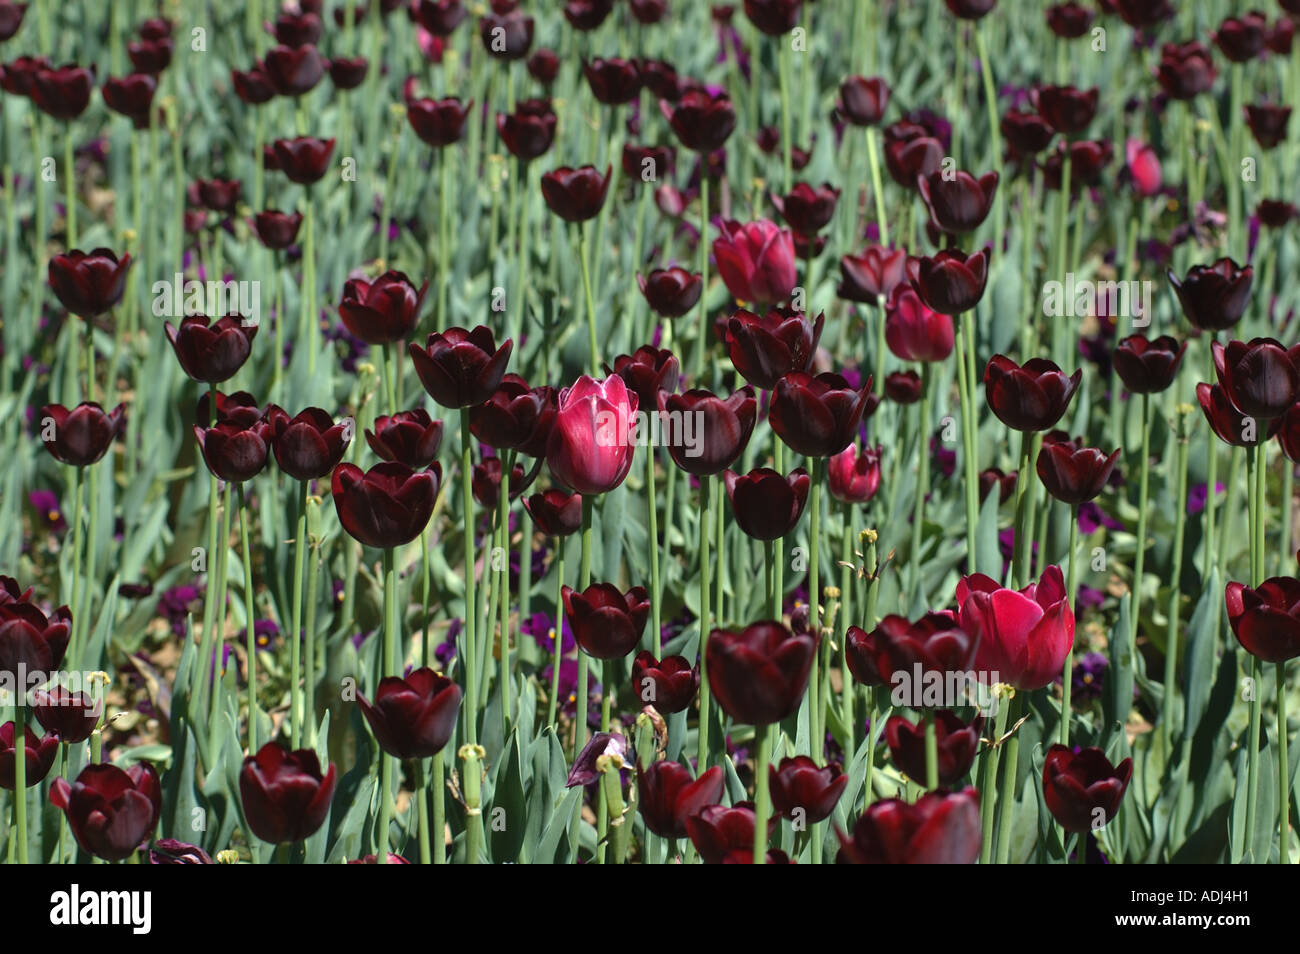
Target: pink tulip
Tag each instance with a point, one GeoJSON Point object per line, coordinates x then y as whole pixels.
{"type": "Point", "coordinates": [1144, 167]}
{"type": "Point", "coordinates": [756, 261]}
{"type": "Point", "coordinates": [914, 332]}
{"type": "Point", "coordinates": [590, 448]}
{"type": "Point", "coordinates": [1024, 636]}
{"type": "Point", "coordinates": [855, 474]}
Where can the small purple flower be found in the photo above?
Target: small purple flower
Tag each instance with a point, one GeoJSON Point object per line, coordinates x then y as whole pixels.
{"type": "Point", "coordinates": [1086, 679]}
{"type": "Point", "coordinates": [1091, 516]}
{"type": "Point", "coordinates": [541, 627]}
{"type": "Point", "coordinates": [176, 604]}
{"type": "Point", "coordinates": [945, 458]}
{"type": "Point", "coordinates": [1199, 494]}
{"type": "Point", "coordinates": [48, 512]}
{"type": "Point", "coordinates": [265, 633]}
{"type": "Point", "coordinates": [584, 770]}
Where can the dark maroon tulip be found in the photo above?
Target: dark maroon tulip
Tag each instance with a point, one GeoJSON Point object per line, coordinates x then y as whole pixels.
{"type": "Point", "coordinates": [1241, 39]}
{"type": "Point", "coordinates": [1031, 397]}
{"type": "Point", "coordinates": [253, 86]}
{"type": "Point", "coordinates": [131, 96]}
{"type": "Point", "coordinates": [1143, 13]}
{"type": "Point", "coordinates": [1228, 423]}
{"type": "Point", "coordinates": [110, 811]}
{"type": "Point", "coordinates": [72, 716]}
{"type": "Point", "coordinates": [817, 416]}
{"type": "Point", "coordinates": [1088, 159]}
{"type": "Point", "coordinates": [169, 851]}
{"type": "Point", "coordinates": [576, 195]}
{"type": "Point", "coordinates": [548, 399]}
{"type": "Point", "coordinates": [1027, 133]}
{"type": "Point", "coordinates": [647, 163]}
{"type": "Point", "coordinates": [939, 828]}
{"type": "Point", "coordinates": [277, 230]}
{"type": "Point", "coordinates": [1148, 366]}
{"type": "Point", "coordinates": [1288, 433]}
{"type": "Point", "coordinates": [529, 131]}
{"type": "Point", "coordinates": [1067, 109]}
{"type": "Point", "coordinates": [767, 505]}
{"type": "Point", "coordinates": [310, 445]}
{"type": "Point", "coordinates": [297, 29]}
{"type": "Point", "coordinates": [903, 387]}
{"type": "Point", "coordinates": [668, 796]}
{"type": "Point", "coordinates": [1186, 70]}
{"type": "Point", "coordinates": [723, 428]}
{"type": "Point", "coordinates": [587, 15]}
{"type": "Point", "coordinates": [915, 332]}
{"type": "Point", "coordinates": [1069, 20]}
{"type": "Point", "coordinates": [211, 352]}
{"type": "Point", "coordinates": [82, 436]}
{"type": "Point", "coordinates": [1266, 620]}
{"type": "Point", "coordinates": [803, 792]}
{"type": "Point", "coordinates": [808, 209]}
{"type": "Point", "coordinates": [413, 718]}
{"type": "Point", "coordinates": [910, 151]}
{"type": "Point", "coordinates": [662, 80]}
{"type": "Point", "coordinates": [647, 371]}
{"type": "Point", "coordinates": [668, 685]}
{"type": "Point", "coordinates": [671, 292]}
{"type": "Point", "coordinates": [648, 11]}
{"type": "Point", "coordinates": [765, 349]}
{"type": "Point", "coordinates": [774, 17]}
{"type": "Point", "coordinates": [507, 35]}
{"type": "Point", "coordinates": [304, 160]}
{"type": "Point", "coordinates": [233, 452]}
{"type": "Point", "coordinates": [293, 70]}
{"type": "Point", "coordinates": [1268, 123]}
{"type": "Point", "coordinates": [384, 310]}
{"type": "Point", "coordinates": [509, 417]}
{"type": "Point", "coordinates": [950, 282]}
{"type": "Point", "coordinates": [89, 283]}
{"type": "Point", "coordinates": [38, 756]}
{"type": "Point", "coordinates": [285, 795]}
{"type": "Point", "coordinates": [555, 513]}
{"type": "Point", "coordinates": [1276, 213]}
{"type": "Point", "coordinates": [873, 275]}
{"type": "Point", "coordinates": [544, 66]}
{"type": "Point", "coordinates": [239, 408]}
{"type": "Point", "coordinates": [970, 9]}
{"type": "Point", "coordinates": [348, 72]}
{"type": "Point", "coordinates": [759, 675]}
{"type": "Point", "coordinates": [725, 835]}
{"type": "Point", "coordinates": [854, 476]}
{"type": "Point", "coordinates": [31, 642]}
{"type": "Point", "coordinates": [219, 195]}
{"type": "Point", "coordinates": [606, 623]}
{"type": "Point", "coordinates": [407, 437]}
{"type": "Point", "coordinates": [439, 17]}
{"type": "Point", "coordinates": [702, 121]}
{"type": "Point", "coordinates": [613, 81]}
{"type": "Point", "coordinates": [18, 77]}
{"type": "Point", "coordinates": [11, 18]}
{"type": "Point", "coordinates": [461, 368]}
{"type": "Point", "coordinates": [993, 477]}
{"type": "Point", "coordinates": [1214, 297]}
{"type": "Point", "coordinates": [1072, 473]}
{"type": "Point", "coordinates": [863, 100]}
{"type": "Point", "coordinates": [1082, 789]}
{"type": "Point", "coordinates": [959, 202]}
{"type": "Point", "coordinates": [936, 643]}
{"type": "Point", "coordinates": [1260, 377]}
{"type": "Point", "coordinates": [387, 505]}
{"type": "Point", "coordinates": [62, 92]}
{"type": "Point", "coordinates": [438, 122]}
{"type": "Point", "coordinates": [1281, 36]}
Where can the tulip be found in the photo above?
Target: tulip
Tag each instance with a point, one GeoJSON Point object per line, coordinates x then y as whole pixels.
{"type": "Point", "coordinates": [765, 349]}
{"type": "Point", "coordinates": [219, 195]}
{"type": "Point", "coordinates": [950, 282]}
{"type": "Point", "coordinates": [668, 796]}
{"type": "Point", "coordinates": [671, 292]}
{"type": "Point", "coordinates": [88, 284]}
{"type": "Point", "coordinates": [555, 513]}
{"type": "Point", "coordinates": [911, 154]}
{"type": "Point", "coordinates": [1087, 161]}
{"type": "Point", "coordinates": [1082, 789]}
{"type": "Point", "coordinates": [817, 416]}
{"type": "Point", "coordinates": [38, 756]}
{"type": "Point", "coordinates": [613, 81]}
{"type": "Point", "coordinates": [544, 66]}
{"type": "Point", "coordinates": [1268, 123]}
{"type": "Point", "coordinates": [774, 17]}
{"type": "Point", "coordinates": [438, 123]}
{"type": "Point", "coordinates": [863, 101]}
{"type": "Point", "coordinates": [1069, 20]}
{"type": "Point", "coordinates": [252, 86]}
{"type": "Point", "coordinates": [413, 718]}
{"type": "Point", "coordinates": [298, 29]}
{"type": "Point", "coordinates": [383, 311]}
{"type": "Point", "coordinates": [903, 387]}
{"type": "Point", "coordinates": [1024, 636]}
{"type": "Point", "coordinates": [1143, 13]}
{"type": "Point", "coordinates": [1288, 434]}
{"type": "Point", "coordinates": [1228, 423]}
{"type": "Point", "coordinates": [1067, 109]}
{"type": "Point", "coordinates": [958, 202]}
{"type": "Point", "coordinates": [31, 642]}
{"type": "Point", "coordinates": [939, 828]}
{"type": "Point", "coordinates": [606, 623]}
{"type": "Point", "coordinates": [348, 73]}
{"type": "Point", "coordinates": [169, 851]}
{"type": "Point", "coordinates": [82, 436]}
{"type": "Point", "coordinates": [461, 368]}
{"type": "Point", "coordinates": [668, 685]}
{"type": "Point", "coordinates": [893, 650]}
{"type": "Point", "coordinates": [807, 209]}
{"type": "Point", "coordinates": [970, 9]}
{"type": "Point", "coordinates": [407, 437]}
{"type": "Point", "coordinates": [873, 275]}
{"type": "Point", "coordinates": [1266, 619]}
{"type": "Point", "coordinates": [1148, 366]}
{"type": "Point", "coordinates": [956, 743]}
{"type": "Point", "coordinates": [647, 12]}
{"type": "Point", "coordinates": [647, 163]}
{"type": "Point", "coordinates": [590, 448]}
{"type": "Point", "coordinates": [1143, 166]}
{"type": "Point", "coordinates": [11, 18]}
{"type": "Point", "coordinates": [646, 372]}
{"type": "Point", "coordinates": [110, 811]}
{"type": "Point", "coordinates": [19, 77]}
{"type": "Point", "coordinates": [1186, 70]}
{"type": "Point", "coordinates": [507, 35]}
{"type": "Point", "coordinates": [1072, 473]}
{"type": "Point", "coordinates": [1275, 213]}
{"type": "Point", "coordinates": [233, 451]}
{"type": "Point", "coordinates": [1261, 378]}
{"type": "Point", "coordinates": [304, 160]}
{"type": "Point", "coordinates": [294, 70]}
{"type": "Point", "coordinates": [702, 121]}
{"type": "Point", "coordinates": [725, 835]}
{"type": "Point", "coordinates": [486, 482]}
{"type": "Point", "coordinates": [855, 476]}
{"type": "Point", "coordinates": [63, 93]}
{"type": "Point", "coordinates": [803, 792]}
{"type": "Point", "coordinates": [587, 15]}
{"type": "Point", "coordinates": [1241, 39]}
{"type": "Point", "coordinates": [576, 195]}
{"type": "Point", "coordinates": [722, 429]}
{"type": "Point", "coordinates": [1214, 297]}
{"type": "Point", "coordinates": [759, 675]}
{"type": "Point", "coordinates": [310, 445]}
{"type": "Point", "coordinates": [1027, 133]}
{"type": "Point", "coordinates": [587, 766]}
{"type": "Point", "coordinates": [766, 505]}
{"type": "Point", "coordinates": [507, 419]}
{"type": "Point", "coordinates": [386, 506]}
{"type": "Point", "coordinates": [131, 96]}
{"type": "Point", "coordinates": [529, 131]}
{"type": "Point", "coordinates": [915, 332]}
{"type": "Point", "coordinates": [1032, 397]}
{"type": "Point", "coordinates": [439, 17]}
{"type": "Point", "coordinates": [277, 230]}
{"type": "Point", "coordinates": [72, 716]}
{"type": "Point", "coordinates": [285, 795]}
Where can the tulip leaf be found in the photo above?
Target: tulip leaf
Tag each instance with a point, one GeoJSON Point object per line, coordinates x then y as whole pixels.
{"type": "Point", "coordinates": [507, 818]}
{"type": "Point", "coordinates": [558, 827]}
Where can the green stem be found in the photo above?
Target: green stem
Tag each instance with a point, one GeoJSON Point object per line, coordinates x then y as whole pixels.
{"type": "Point", "coordinates": [817, 738]}
{"type": "Point", "coordinates": [503, 583]}
{"type": "Point", "coordinates": [702, 751]}
{"type": "Point", "coordinates": [1007, 791]}
{"type": "Point", "coordinates": [988, 776]}
{"type": "Point", "coordinates": [552, 705]}
{"type": "Point", "coordinates": [762, 798]}
{"type": "Point", "coordinates": [1071, 590]}
{"type": "Point", "coordinates": [995, 132]}
{"type": "Point", "coordinates": [250, 642]}
{"type": "Point", "coordinates": [387, 762]}
{"type": "Point", "coordinates": [584, 255]}
{"type": "Point", "coordinates": [656, 592]}
{"type": "Point", "coordinates": [922, 483]}
{"type": "Point", "coordinates": [1140, 559]}
{"type": "Point", "coordinates": [970, 474]}
{"type": "Point", "coordinates": [69, 189]}
{"type": "Point", "coordinates": [1283, 771]}
{"type": "Point", "coordinates": [1175, 594]}
{"type": "Point", "coordinates": [439, 812]}
{"type": "Point", "coordinates": [783, 68]}
{"type": "Point", "coordinates": [931, 752]}
{"type": "Point", "coordinates": [20, 779]}
{"type": "Point", "coordinates": [471, 602]}
{"type": "Point", "coordinates": [299, 566]}
{"type": "Point", "coordinates": [702, 344]}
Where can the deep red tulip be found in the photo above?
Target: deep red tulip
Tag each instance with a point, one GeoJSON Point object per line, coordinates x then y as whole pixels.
{"type": "Point", "coordinates": [1082, 789]}
{"type": "Point", "coordinates": [1268, 123]}
{"type": "Point", "coordinates": [110, 811]}
{"type": "Point", "coordinates": [913, 331]}
{"type": "Point", "coordinates": [294, 70]}
{"type": "Point", "coordinates": [1027, 133]}
{"type": "Point", "coordinates": [1260, 377]}
{"type": "Point", "coordinates": [1024, 636]}
{"type": "Point", "coordinates": [817, 416]}
{"type": "Point", "coordinates": [576, 195]}
{"type": "Point", "coordinates": [304, 160]}
{"type": "Point", "coordinates": [18, 77]}
{"type": "Point", "coordinates": [958, 202]}
{"type": "Point", "coordinates": [756, 261]}
{"type": "Point", "coordinates": [285, 795]}
{"type": "Point", "coordinates": [668, 685]}
{"type": "Point", "coordinates": [277, 230]}
{"type": "Point", "coordinates": [587, 15]}
{"type": "Point", "coordinates": [1241, 39]}
{"type": "Point", "coordinates": [384, 310]}
{"type": "Point", "coordinates": [807, 209]}
{"type": "Point", "coordinates": [11, 18]}
{"type": "Point", "coordinates": [648, 11]}
{"type": "Point", "coordinates": [646, 372]}
{"type": "Point", "coordinates": [72, 716]}
{"type": "Point", "coordinates": [671, 292]}
{"type": "Point", "coordinates": [647, 163]}
{"type": "Point", "coordinates": [310, 445]}
{"type": "Point", "coordinates": [992, 478]}
{"type": "Point", "coordinates": [1186, 70]}
{"type": "Point", "coordinates": [1069, 20]}
{"type": "Point", "coordinates": [613, 81]}
{"type": "Point", "coordinates": [863, 100]}
{"type": "Point", "coordinates": [62, 92]}
{"type": "Point", "coordinates": [348, 72]}
{"type": "Point", "coordinates": [1032, 397]}
{"type": "Point", "coordinates": [211, 352]}
{"type": "Point", "coordinates": [910, 153]}
{"type": "Point", "coordinates": [774, 17]}
{"type": "Point", "coordinates": [253, 86]}
{"type": "Point", "coordinates": [970, 9]}
{"type": "Point", "coordinates": [407, 437]}
{"type": "Point", "coordinates": [591, 449]}
{"type": "Point", "coordinates": [555, 513]}
{"type": "Point", "coordinates": [38, 756]}
{"type": "Point", "coordinates": [30, 641]}
{"type": "Point", "coordinates": [701, 121]}
{"type": "Point", "coordinates": [766, 504]}
{"type": "Point", "coordinates": [1288, 433]}
{"type": "Point", "coordinates": [439, 17]}
{"type": "Point", "coordinates": [1143, 13]}
{"type": "Point", "coordinates": [89, 283]}
{"type": "Point", "coordinates": [766, 348]}
{"type": "Point", "coordinates": [957, 743]}
{"type": "Point", "coordinates": [1229, 424]}
{"type": "Point", "coordinates": [131, 96]}
{"type": "Point", "coordinates": [802, 792]}
{"type": "Point", "coordinates": [387, 505]}
{"type": "Point", "coordinates": [725, 835]}
{"type": "Point", "coordinates": [297, 29]}
{"type": "Point", "coordinates": [1088, 158]}
{"type": "Point", "coordinates": [939, 828]}
{"type": "Point", "coordinates": [544, 66]}
{"type": "Point", "coordinates": [234, 452]}
{"type": "Point", "coordinates": [935, 643]}
{"type": "Point", "coordinates": [1275, 213]}
{"type": "Point", "coordinates": [1266, 619]}
{"type": "Point", "coordinates": [721, 431]}
{"type": "Point", "coordinates": [854, 476]}
{"type": "Point", "coordinates": [1069, 110]}
{"type": "Point", "coordinates": [529, 131]}
{"type": "Point", "coordinates": [1143, 166]}
{"type": "Point", "coordinates": [606, 623]}
{"type": "Point", "coordinates": [82, 436]}
{"type": "Point", "coordinates": [758, 675]}
{"type": "Point", "coordinates": [438, 122]}
{"type": "Point", "coordinates": [507, 35]}
{"type": "Point", "coordinates": [413, 718]}
{"type": "Point", "coordinates": [219, 195]}
{"type": "Point", "coordinates": [950, 282]}
{"type": "Point", "coordinates": [155, 28]}
{"type": "Point", "coordinates": [461, 368]}
{"type": "Point", "coordinates": [169, 851]}
{"type": "Point", "coordinates": [872, 275]}
{"type": "Point", "coordinates": [668, 796]}
{"type": "Point", "coordinates": [1214, 297]}
{"type": "Point", "coordinates": [1281, 36]}
{"type": "Point", "coordinates": [1148, 366]}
